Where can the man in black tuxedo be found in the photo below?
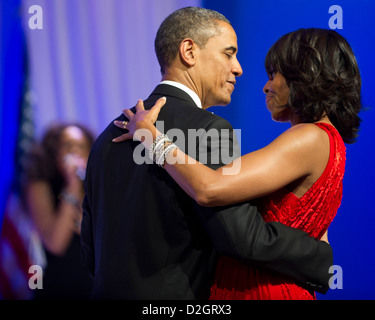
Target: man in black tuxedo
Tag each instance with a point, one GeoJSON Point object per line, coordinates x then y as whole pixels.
{"type": "Point", "coordinates": [142, 236]}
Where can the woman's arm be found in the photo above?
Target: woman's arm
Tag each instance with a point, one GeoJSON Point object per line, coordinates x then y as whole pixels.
{"type": "Point", "coordinates": [295, 154]}
{"type": "Point", "coordinates": [56, 228]}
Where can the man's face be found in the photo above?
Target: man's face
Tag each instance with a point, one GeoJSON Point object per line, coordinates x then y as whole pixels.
{"type": "Point", "coordinates": [218, 67]}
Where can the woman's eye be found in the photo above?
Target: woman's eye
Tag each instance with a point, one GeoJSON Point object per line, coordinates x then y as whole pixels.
{"type": "Point", "coordinates": [272, 74]}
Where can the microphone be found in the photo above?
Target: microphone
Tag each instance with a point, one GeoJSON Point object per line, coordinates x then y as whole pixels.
{"type": "Point", "coordinates": [72, 159]}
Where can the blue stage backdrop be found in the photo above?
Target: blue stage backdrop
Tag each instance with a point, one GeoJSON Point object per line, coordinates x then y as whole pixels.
{"type": "Point", "coordinates": [258, 25]}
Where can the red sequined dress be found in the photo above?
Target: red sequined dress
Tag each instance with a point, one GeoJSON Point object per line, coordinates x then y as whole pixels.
{"type": "Point", "coordinates": [312, 213]}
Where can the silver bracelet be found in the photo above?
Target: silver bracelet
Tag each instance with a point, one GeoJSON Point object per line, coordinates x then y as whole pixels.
{"type": "Point", "coordinates": [170, 148]}
{"type": "Point", "coordinates": [157, 141]}
{"type": "Point", "coordinates": [160, 148]}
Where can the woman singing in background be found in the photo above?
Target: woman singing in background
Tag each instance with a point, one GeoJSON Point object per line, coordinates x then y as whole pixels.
{"type": "Point", "coordinates": [315, 85]}
{"type": "Point", "coordinates": [53, 195]}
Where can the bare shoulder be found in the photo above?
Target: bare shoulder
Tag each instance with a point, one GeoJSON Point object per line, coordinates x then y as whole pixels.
{"type": "Point", "coordinates": [306, 139]}
{"type": "Point", "coordinates": [306, 133]}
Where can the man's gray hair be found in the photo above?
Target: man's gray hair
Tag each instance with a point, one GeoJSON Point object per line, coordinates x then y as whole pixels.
{"type": "Point", "coordinates": [198, 24]}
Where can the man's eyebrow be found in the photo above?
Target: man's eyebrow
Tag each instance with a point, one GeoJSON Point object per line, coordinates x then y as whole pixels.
{"type": "Point", "coordinates": [231, 48]}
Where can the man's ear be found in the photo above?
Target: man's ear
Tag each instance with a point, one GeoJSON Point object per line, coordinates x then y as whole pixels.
{"type": "Point", "coordinates": [188, 52]}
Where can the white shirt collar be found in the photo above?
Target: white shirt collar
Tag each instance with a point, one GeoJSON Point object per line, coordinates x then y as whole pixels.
{"type": "Point", "coordinates": [190, 92]}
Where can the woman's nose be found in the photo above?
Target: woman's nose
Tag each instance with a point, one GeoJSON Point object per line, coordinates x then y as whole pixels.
{"type": "Point", "coordinates": [266, 87]}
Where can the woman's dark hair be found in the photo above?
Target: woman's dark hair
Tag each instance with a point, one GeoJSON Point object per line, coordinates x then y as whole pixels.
{"type": "Point", "coordinates": [42, 162]}
{"type": "Point", "coordinates": [323, 77]}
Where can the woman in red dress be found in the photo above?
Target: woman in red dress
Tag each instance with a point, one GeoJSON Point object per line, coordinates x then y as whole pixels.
{"type": "Point", "coordinates": [314, 83]}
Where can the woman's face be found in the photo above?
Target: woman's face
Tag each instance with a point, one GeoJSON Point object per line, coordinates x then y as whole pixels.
{"type": "Point", "coordinates": [74, 145]}
{"type": "Point", "coordinates": [277, 95]}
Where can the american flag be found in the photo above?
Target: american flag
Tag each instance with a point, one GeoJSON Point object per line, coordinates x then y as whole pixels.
{"type": "Point", "coordinates": [20, 245]}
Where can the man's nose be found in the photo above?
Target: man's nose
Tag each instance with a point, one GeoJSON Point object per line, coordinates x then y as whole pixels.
{"type": "Point", "coordinates": [237, 69]}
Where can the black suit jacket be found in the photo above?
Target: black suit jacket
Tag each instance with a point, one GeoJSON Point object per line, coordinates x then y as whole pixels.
{"type": "Point", "coordinates": [144, 238]}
